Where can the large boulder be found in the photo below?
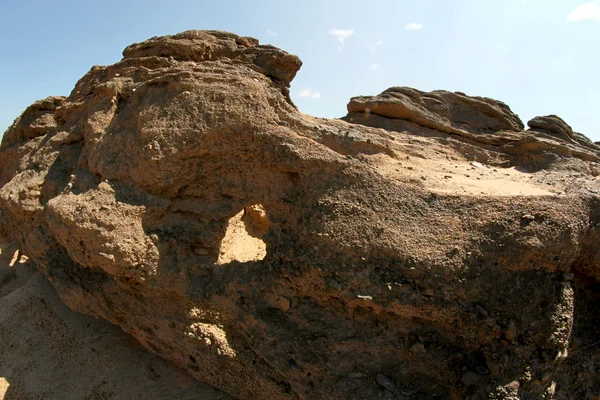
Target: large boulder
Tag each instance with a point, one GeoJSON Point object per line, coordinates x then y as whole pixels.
{"type": "Point", "coordinates": [553, 125]}
{"type": "Point", "coordinates": [440, 110]}
{"type": "Point", "coordinates": [180, 195]}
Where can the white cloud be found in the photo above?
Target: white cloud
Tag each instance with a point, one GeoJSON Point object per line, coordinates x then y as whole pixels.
{"type": "Point", "coordinates": [271, 33]}
{"type": "Point", "coordinates": [308, 92]}
{"type": "Point", "coordinates": [413, 26]}
{"type": "Point", "coordinates": [373, 47]}
{"type": "Point", "coordinates": [374, 66]}
{"type": "Point", "coordinates": [341, 34]}
{"type": "Point", "coordinates": [586, 11]}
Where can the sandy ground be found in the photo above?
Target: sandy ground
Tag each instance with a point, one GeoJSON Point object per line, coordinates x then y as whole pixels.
{"type": "Point", "coordinates": [464, 178]}
{"type": "Point", "coordinates": [50, 352]}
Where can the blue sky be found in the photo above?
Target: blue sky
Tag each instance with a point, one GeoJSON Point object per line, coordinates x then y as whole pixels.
{"type": "Point", "coordinates": [539, 56]}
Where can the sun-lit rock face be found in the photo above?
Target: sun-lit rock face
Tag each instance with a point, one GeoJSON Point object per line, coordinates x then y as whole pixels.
{"type": "Point", "coordinates": [426, 246]}
{"type": "Point", "coordinates": [441, 110]}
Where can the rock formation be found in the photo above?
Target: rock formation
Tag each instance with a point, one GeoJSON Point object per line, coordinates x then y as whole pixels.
{"type": "Point", "coordinates": [553, 125]}
{"type": "Point", "coordinates": [50, 352]}
{"type": "Point", "coordinates": [425, 246]}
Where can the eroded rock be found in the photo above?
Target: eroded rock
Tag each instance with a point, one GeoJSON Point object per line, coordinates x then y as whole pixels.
{"type": "Point", "coordinates": [440, 110]}
{"type": "Point", "coordinates": [180, 195]}
{"type": "Point", "coordinates": [551, 124]}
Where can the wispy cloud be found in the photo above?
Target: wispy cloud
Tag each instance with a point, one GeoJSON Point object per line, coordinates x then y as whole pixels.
{"type": "Point", "coordinates": [373, 47]}
{"type": "Point", "coordinates": [270, 32]}
{"type": "Point", "coordinates": [374, 67]}
{"type": "Point", "coordinates": [341, 34]}
{"type": "Point", "coordinates": [586, 11]}
{"type": "Point", "coordinates": [413, 26]}
{"type": "Point", "coordinates": [308, 92]}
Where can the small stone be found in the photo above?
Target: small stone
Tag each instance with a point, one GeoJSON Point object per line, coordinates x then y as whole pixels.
{"type": "Point", "coordinates": [418, 348]}
{"type": "Point", "coordinates": [482, 370]}
{"type": "Point", "coordinates": [528, 217]}
{"type": "Point", "coordinates": [550, 391]}
{"type": "Point", "coordinates": [481, 310]}
{"type": "Point", "coordinates": [511, 332]}
{"type": "Point", "coordinates": [562, 355]}
{"type": "Point", "coordinates": [385, 383]}
{"type": "Point", "coordinates": [201, 251]}
{"type": "Point", "coordinates": [333, 284]}
{"type": "Point", "coordinates": [568, 276]}
{"type": "Point", "coordinates": [108, 256]}
{"type": "Point", "coordinates": [283, 303]}
{"type": "Point", "coordinates": [546, 377]}
{"type": "Point", "coordinates": [470, 378]}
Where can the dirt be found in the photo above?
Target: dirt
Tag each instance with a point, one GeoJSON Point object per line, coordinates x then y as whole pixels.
{"type": "Point", "coordinates": [50, 352]}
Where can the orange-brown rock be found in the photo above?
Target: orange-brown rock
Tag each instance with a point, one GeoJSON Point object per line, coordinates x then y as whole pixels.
{"type": "Point", "coordinates": [425, 247]}
{"type": "Point", "coordinates": [440, 110]}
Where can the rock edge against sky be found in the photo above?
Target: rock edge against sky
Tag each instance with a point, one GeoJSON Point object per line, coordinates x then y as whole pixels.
{"type": "Point", "coordinates": [424, 246]}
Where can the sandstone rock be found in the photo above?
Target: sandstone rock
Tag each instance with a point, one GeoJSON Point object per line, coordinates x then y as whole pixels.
{"type": "Point", "coordinates": [37, 120]}
{"type": "Point", "coordinates": [180, 195]}
{"type": "Point", "coordinates": [440, 110]}
{"type": "Point", "coordinates": [553, 125]}
{"type": "Point", "coordinates": [200, 46]}
{"type": "Point", "coordinates": [488, 123]}
{"type": "Point", "coordinates": [50, 352]}
{"type": "Point", "coordinates": [386, 383]}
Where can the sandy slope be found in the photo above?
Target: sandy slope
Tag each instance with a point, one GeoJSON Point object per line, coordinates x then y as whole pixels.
{"type": "Point", "coordinates": [50, 352]}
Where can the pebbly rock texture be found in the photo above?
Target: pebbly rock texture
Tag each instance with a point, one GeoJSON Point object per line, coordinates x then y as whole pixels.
{"type": "Point", "coordinates": [425, 247]}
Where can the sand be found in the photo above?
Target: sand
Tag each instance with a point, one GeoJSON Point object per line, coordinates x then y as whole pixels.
{"type": "Point", "coordinates": [50, 352]}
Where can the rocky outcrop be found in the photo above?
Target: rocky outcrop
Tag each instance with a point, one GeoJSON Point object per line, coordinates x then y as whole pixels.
{"type": "Point", "coordinates": [199, 46]}
{"type": "Point", "coordinates": [553, 125]}
{"type": "Point", "coordinates": [484, 122]}
{"type": "Point", "coordinates": [440, 110]}
{"type": "Point", "coordinates": [180, 195]}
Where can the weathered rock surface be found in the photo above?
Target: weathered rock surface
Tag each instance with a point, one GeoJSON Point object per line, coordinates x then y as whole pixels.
{"type": "Point", "coordinates": [441, 110]}
{"type": "Point", "coordinates": [180, 195]}
{"type": "Point", "coordinates": [553, 125]}
{"type": "Point", "coordinates": [487, 123]}
{"type": "Point", "coordinates": [50, 352]}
